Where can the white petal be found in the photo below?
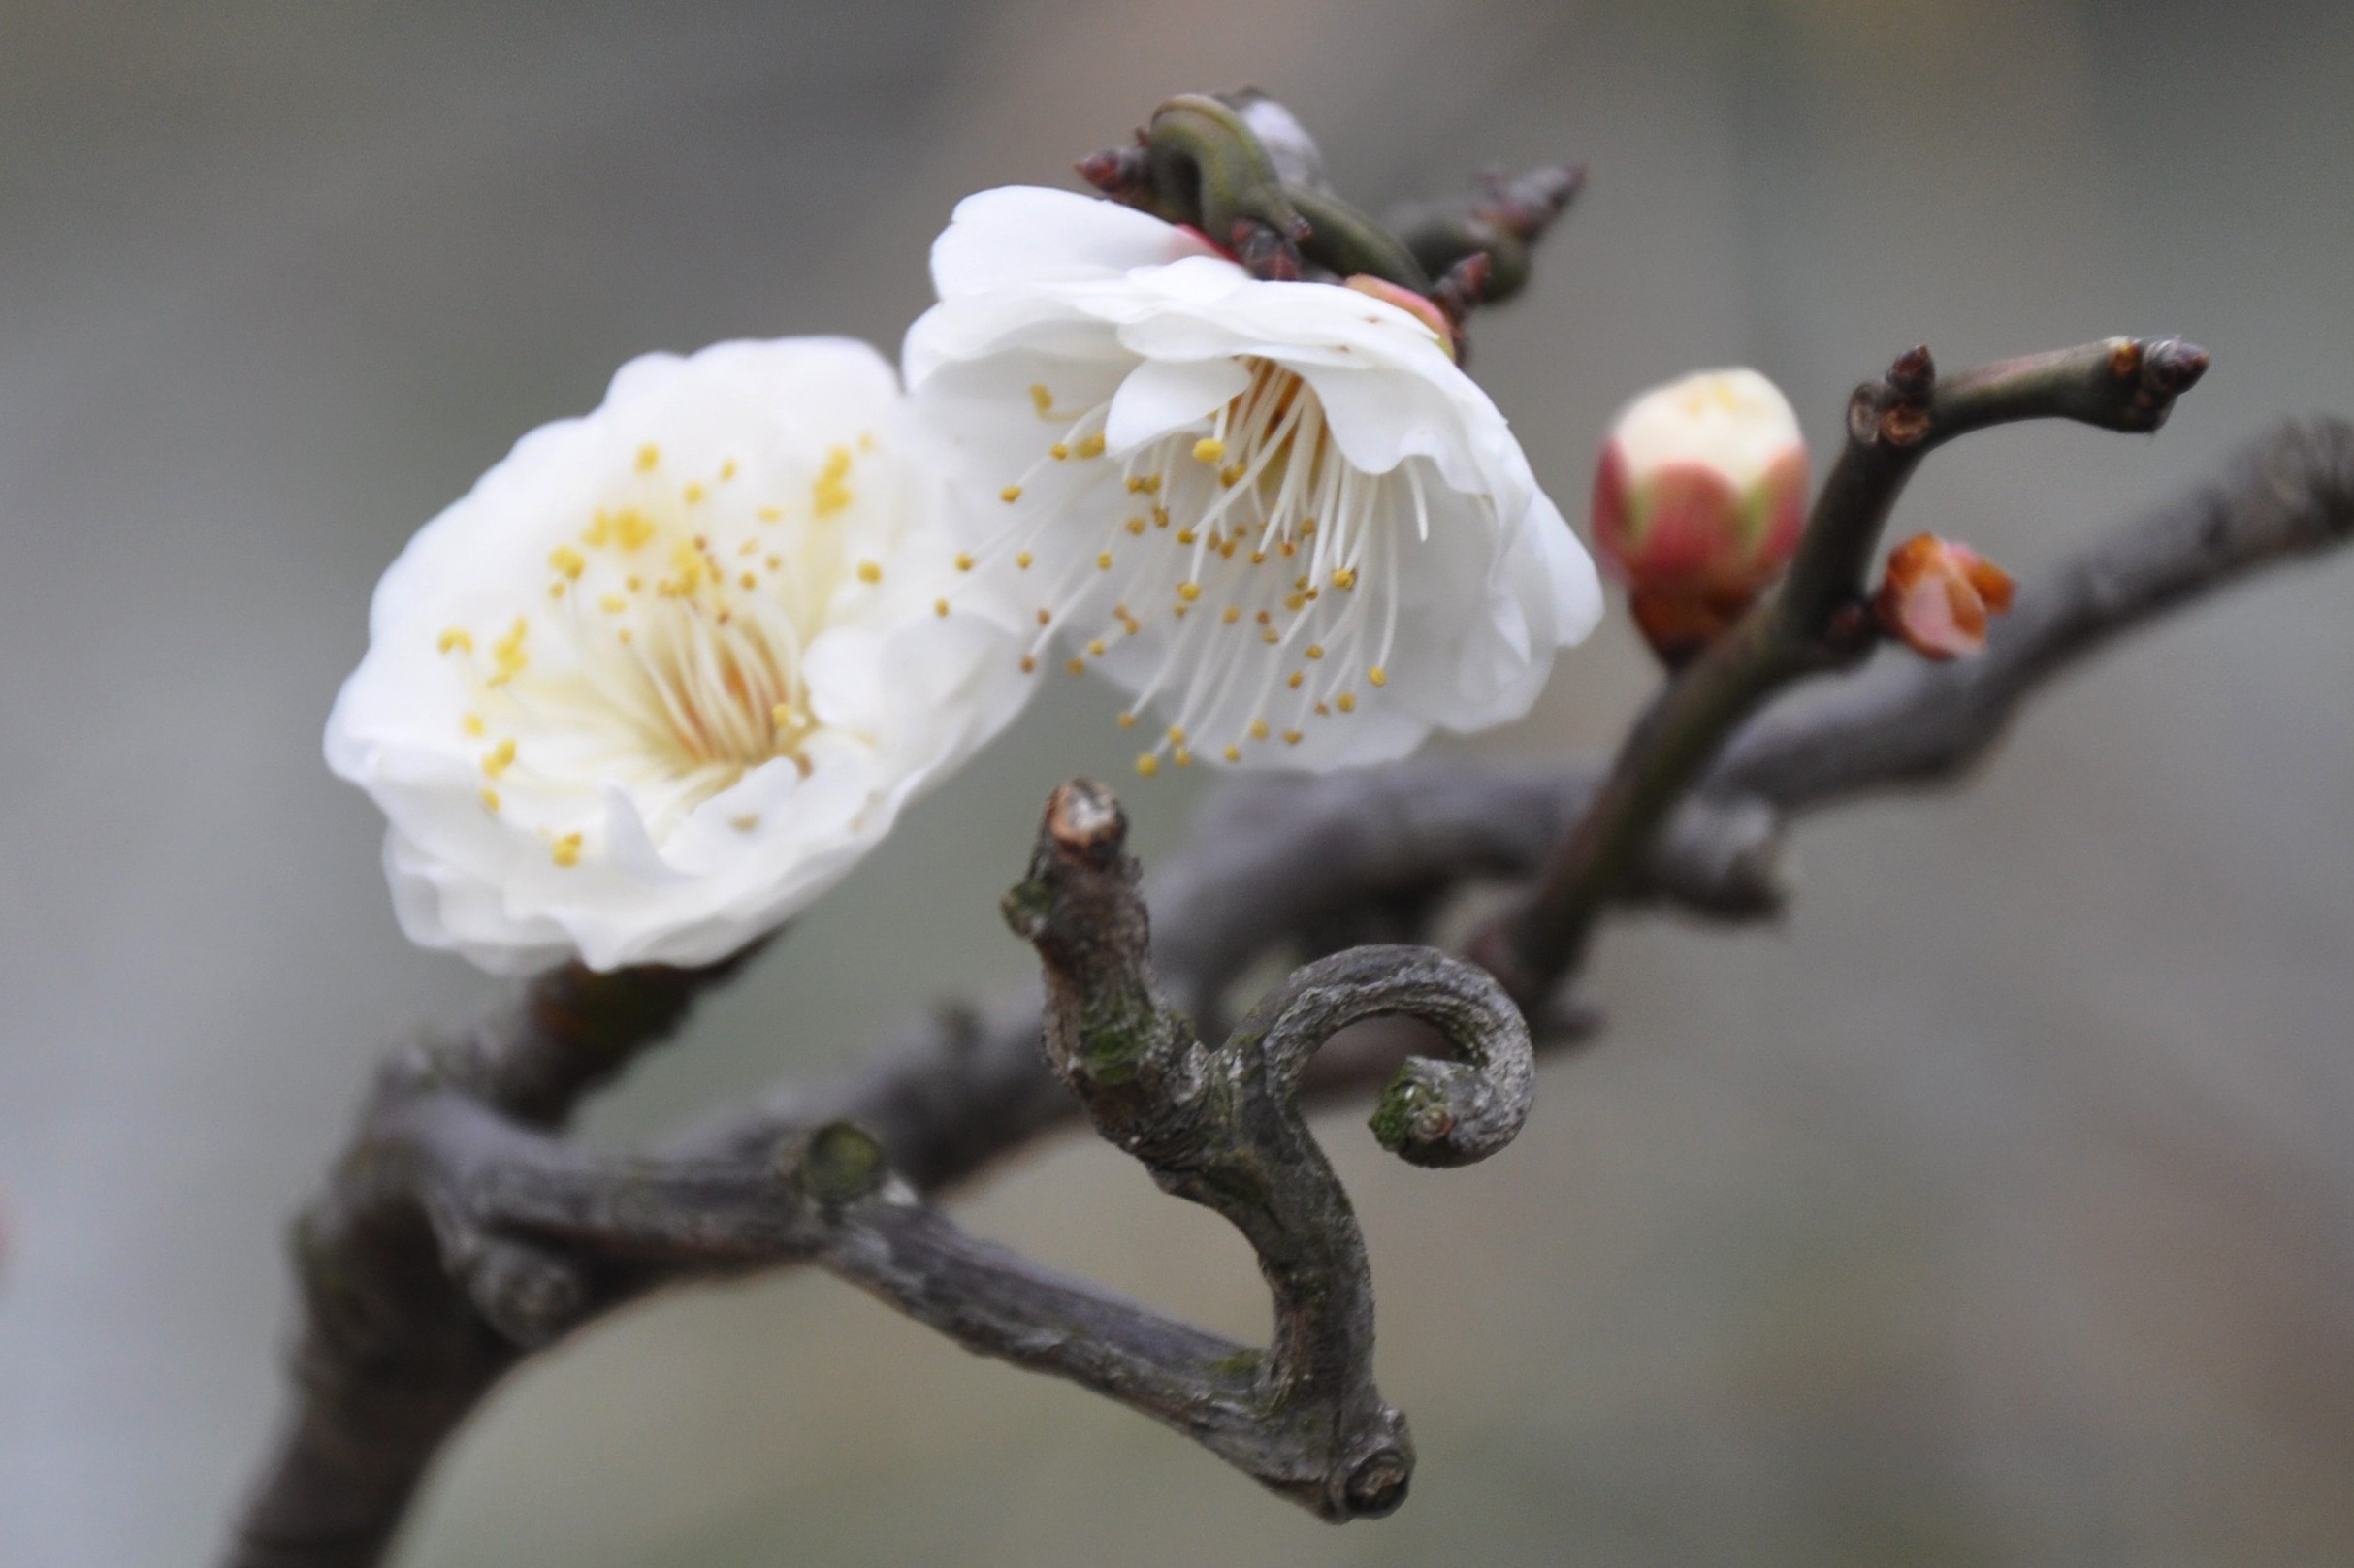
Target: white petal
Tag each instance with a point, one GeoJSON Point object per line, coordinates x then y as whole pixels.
{"type": "Point", "coordinates": [1026, 234]}
{"type": "Point", "coordinates": [1160, 396]}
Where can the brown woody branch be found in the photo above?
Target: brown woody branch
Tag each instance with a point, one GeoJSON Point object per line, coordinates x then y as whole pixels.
{"type": "Point", "coordinates": [460, 1225]}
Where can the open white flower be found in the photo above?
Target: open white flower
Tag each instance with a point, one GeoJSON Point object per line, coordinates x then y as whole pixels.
{"type": "Point", "coordinates": [1278, 513]}
{"type": "Point", "coordinates": [669, 670]}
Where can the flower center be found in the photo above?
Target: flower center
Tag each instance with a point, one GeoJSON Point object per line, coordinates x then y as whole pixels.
{"type": "Point", "coordinates": [667, 656]}
{"type": "Point", "coordinates": [1240, 571]}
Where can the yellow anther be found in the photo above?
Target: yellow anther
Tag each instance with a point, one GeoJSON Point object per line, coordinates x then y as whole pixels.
{"type": "Point", "coordinates": [1315, 650]}
{"type": "Point", "coordinates": [1040, 399]}
{"type": "Point", "coordinates": [612, 604]}
{"type": "Point", "coordinates": [964, 563]}
{"type": "Point", "coordinates": [1288, 547]}
{"type": "Point", "coordinates": [1127, 721]}
{"type": "Point", "coordinates": [1058, 452]}
{"type": "Point", "coordinates": [688, 563]}
{"type": "Point", "coordinates": [556, 591]}
{"type": "Point", "coordinates": [566, 851]}
{"type": "Point", "coordinates": [632, 529]}
{"type": "Point", "coordinates": [1291, 737]}
{"type": "Point", "coordinates": [1095, 647]}
{"type": "Point", "coordinates": [691, 492]}
{"type": "Point", "coordinates": [1258, 558]}
{"type": "Point", "coordinates": [471, 723]}
{"type": "Point", "coordinates": [1293, 602]}
{"type": "Point", "coordinates": [1177, 734]}
{"type": "Point", "coordinates": [1344, 577]}
{"type": "Point", "coordinates": [1091, 445]}
{"type": "Point", "coordinates": [490, 800]}
{"type": "Point", "coordinates": [1186, 536]}
{"type": "Point", "coordinates": [749, 582]}
{"type": "Point", "coordinates": [1010, 494]}
{"type": "Point", "coordinates": [1137, 485]}
{"type": "Point", "coordinates": [1378, 676]}
{"type": "Point", "coordinates": [1226, 550]}
{"type": "Point", "coordinates": [728, 469]}
{"type": "Point", "coordinates": [1230, 615]}
{"type": "Point", "coordinates": [1234, 753]}
{"type": "Point", "coordinates": [750, 547]}
{"type": "Point", "coordinates": [1102, 561]}
{"type": "Point", "coordinates": [1323, 712]}
{"type": "Point", "coordinates": [1346, 702]}
{"type": "Point", "coordinates": [1148, 764]}
{"type": "Point", "coordinates": [599, 532]}
{"type": "Point", "coordinates": [1258, 729]}
{"type": "Point", "coordinates": [1208, 449]}
{"type": "Point", "coordinates": [1264, 617]}
{"type": "Point", "coordinates": [1136, 525]}
{"type": "Point", "coordinates": [771, 513]}
{"type": "Point", "coordinates": [1267, 634]}
{"type": "Point", "coordinates": [507, 652]}
{"type": "Point", "coordinates": [457, 637]}
{"type": "Point", "coordinates": [635, 583]}
{"type": "Point", "coordinates": [780, 716]}
{"type": "Point", "coordinates": [831, 494]}
{"type": "Point", "coordinates": [1044, 618]}
{"type": "Point", "coordinates": [1028, 665]}
{"type": "Point", "coordinates": [1307, 525]}
{"type": "Point", "coordinates": [1301, 582]}
{"type": "Point", "coordinates": [648, 456]}
{"type": "Point", "coordinates": [1294, 679]}
{"type": "Point", "coordinates": [1078, 666]}
{"type": "Point", "coordinates": [1160, 516]}
{"type": "Point", "coordinates": [1189, 591]}
{"type": "Point", "coordinates": [1022, 559]}
{"type": "Point", "coordinates": [940, 607]}
{"type": "Point", "coordinates": [1232, 472]}
{"type": "Point", "coordinates": [1181, 757]}
{"type": "Point", "coordinates": [567, 560]}
{"type": "Point", "coordinates": [870, 572]}
{"type": "Point", "coordinates": [499, 758]}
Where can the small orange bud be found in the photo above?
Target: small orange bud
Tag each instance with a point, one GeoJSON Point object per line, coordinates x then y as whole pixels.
{"type": "Point", "coordinates": [1698, 501]}
{"type": "Point", "coordinates": [1938, 595]}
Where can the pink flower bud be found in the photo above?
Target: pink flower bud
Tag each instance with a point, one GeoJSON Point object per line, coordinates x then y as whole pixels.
{"type": "Point", "coordinates": [1701, 492]}
{"type": "Point", "coordinates": [1938, 596]}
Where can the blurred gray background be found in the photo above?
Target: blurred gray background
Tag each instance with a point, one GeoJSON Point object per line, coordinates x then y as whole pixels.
{"type": "Point", "coordinates": [1997, 1208]}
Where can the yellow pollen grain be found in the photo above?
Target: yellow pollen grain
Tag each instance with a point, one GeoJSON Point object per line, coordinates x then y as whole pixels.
{"type": "Point", "coordinates": [567, 560]}
{"type": "Point", "coordinates": [633, 529]}
{"type": "Point", "coordinates": [1258, 558]}
{"type": "Point", "coordinates": [1230, 615]}
{"type": "Point", "coordinates": [1102, 561]}
{"type": "Point", "coordinates": [566, 851]}
{"type": "Point", "coordinates": [1344, 577]}
{"type": "Point", "coordinates": [1022, 559]}
{"type": "Point", "coordinates": [1226, 550]}
{"type": "Point", "coordinates": [1136, 484]}
{"type": "Point", "coordinates": [648, 457]}
{"type": "Point", "coordinates": [1160, 516]}
{"type": "Point", "coordinates": [509, 653]}
{"type": "Point", "coordinates": [556, 591]}
{"type": "Point", "coordinates": [471, 723]}
{"type": "Point", "coordinates": [1095, 647]}
{"type": "Point", "coordinates": [490, 800]}
{"type": "Point", "coordinates": [1136, 525]}
{"type": "Point", "coordinates": [748, 548]}
{"type": "Point", "coordinates": [1234, 753]}
{"type": "Point", "coordinates": [692, 492]}
{"type": "Point", "coordinates": [1091, 445]}
{"type": "Point", "coordinates": [1058, 452]}
{"type": "Point", "coordinates": [1044, 617]}
{"type": "Point", "coordinates": [940, 607]}
{"type": "Point", "coordinates": [1232, 473]}
{"type": "Point", "coordinates": [1208, 449]}
{"type": "Point", "coordinates": [1315, 650]}
{"type": "Point", "coordinates": [1127, 721]}
{"type": "Point", "coordinates": [1258, 729]}
{"type": "Point", "coordinates": [499, 758]}
{"type": "Point", "coordinates": [1028, 665]}
{"type": "Point", "coordinates": [1294, 679]}
{"type": "Point", "coordinates": [1291, 737]}
{"type": "Point", "coordinates": [870, 572]}
{"type": "Point", "coordinates": [964, 563]}
{"type": "Point", "coordinates": [1078, 666]}
{"type": "Point", "coordinates": [1189, 591]}
{"type": "Point", "coordinates": [635, 583]}
{"type": "Point", "coordinates": [728, 469]}
{"type": "Point", "coordinates": [1293, 602]}
{"type": "Point", "coordinates": [1177, 734]}
{"type": "Point", "coordinates": [457, 637]}
{"type": "Point", "coordinates": [1323, 712]}
{"type": "Point", "coordinates": [1264, 617]}
{"type": "Point", "coordinates": [1346, 702]}
{"type": "Point", "coordinates": [1267, 634]}
{"type": "Point", "coordinates": [771, 514]}
{"type": "Point", "coordinates": [1040, 399]}
{"type": "Point", "coordinates": [599, 530]}
{"type": "Point", "coordinates": [1186, 536]}
{"type": "Point", "coordinates": [1288, 547]}
{"type": "Point", "coordinates": [1181, 757]}
{"type": "Point", "coordinates": [1148, 765]}
{"type": "Point", "coordinates": [1010, 494]}
{"type": "Point", "coordinates": [774, 563]}
{"type": "Point", "coordinates": [1378, 676]}
{"type": "Point", "coordinates": [748, 581]}
{"type": "Point", "coordinates": [831, 494]}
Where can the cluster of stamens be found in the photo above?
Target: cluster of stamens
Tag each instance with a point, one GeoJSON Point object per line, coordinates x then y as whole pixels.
{"type": "Point", "coordinates": [1266, 564]}
{"type": "Point", "coordinates": [669, 660]}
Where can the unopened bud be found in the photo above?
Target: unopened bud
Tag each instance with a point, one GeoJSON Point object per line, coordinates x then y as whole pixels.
{"type": "Point", "coordinates": [1938, 595]}
{"type": "Point", "coordinates": [1698, 501]}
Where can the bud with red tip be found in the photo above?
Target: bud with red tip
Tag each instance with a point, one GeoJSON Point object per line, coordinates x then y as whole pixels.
{"type": "Point", "coordinates": [1938, 596]}
{"type": "Point", "coordinates": [1699, 502]}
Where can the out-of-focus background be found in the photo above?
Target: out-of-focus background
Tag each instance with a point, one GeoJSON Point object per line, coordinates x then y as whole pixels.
{"type": "Point", "coordinates": [1997, 1208]}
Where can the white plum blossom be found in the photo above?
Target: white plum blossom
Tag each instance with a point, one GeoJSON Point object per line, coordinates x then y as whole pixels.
{"type": "Point", "coordinates": [670, 669]}
{"type": "Point", "coordinates": [1277, 512]}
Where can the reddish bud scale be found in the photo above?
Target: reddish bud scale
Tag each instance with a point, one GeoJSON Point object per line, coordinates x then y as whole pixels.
{"type": "Point", "coordinates": [1938, 596]}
